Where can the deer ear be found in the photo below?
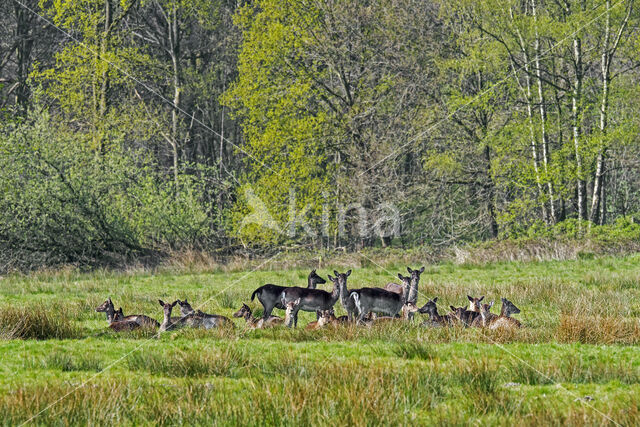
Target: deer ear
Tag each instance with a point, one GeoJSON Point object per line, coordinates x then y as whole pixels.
{"type": "Point", "coordinates": [504, 300]}
{"type": "Point", "coordinates": [400, 276]}
{"type": "Point", "coordinates": [336, 272]}
{"type": "Point", "coordinates": [491, 304]}
{"type": "Point", "coordinates": [174, 303]}
{"type": "Point", "coordinates": [161, 302]}
{"type": "Point", "coordinates": [435, 299]}
{"type": "Point", "coordinates": [348, 273]}
{"type": "Point", "coordinates": [452, 308]}
{"type": "Point", "coordinates": [422, 270]}
{"type": "Point", "coordinates": [330, 278]}
{"type": "Point", "coordinates": [481, 298]}
{"type": "Point", "coordinates": [409, 270]}
{"type": "Point", "coordinates": [313, 271]}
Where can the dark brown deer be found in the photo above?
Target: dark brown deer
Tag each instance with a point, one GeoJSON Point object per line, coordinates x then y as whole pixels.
{"type": "Point", "coordinates": [254, 322]}
{"type": "Point", "coordinates": [269, 295]}
{"type": "Point", "coordinates": [310, 299]}
{"type": "Point", "coordinates": [435, 319]}
{"type": "Point", "coordinates": [203, 320]}
{"type": "Point", "coordinates": [463, 316]}
{"type": "Point", "coordinates": [108, 308]}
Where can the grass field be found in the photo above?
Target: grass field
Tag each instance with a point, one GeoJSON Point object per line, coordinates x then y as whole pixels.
{"type": "Point", "coordinates": [575, 362]}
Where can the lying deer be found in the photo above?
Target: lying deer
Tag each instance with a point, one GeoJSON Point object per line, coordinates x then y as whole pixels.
{"type": "Point", "coordinates": [310, 299]}
{"type": "Point", "coordinates": [492, 321]}
{"type": "Point", "coordinates": [201, 319]}
{"type": "Point", "coordinates": [326, 317]}
{"type": "Point", "coordinates": [108, 308]}
{"type": "Point", "coordinates": [169, 323]}
{"type": "Point", "coordinates": [504, 320]}
{"type": "Point", "coordinates": [435, 319]}
{"type": "Point", "coordinates": [463, 316]}
{"type": "Point", "coordinates": [269, 295]}
{"type": "Point", "coordinates": [257, 323]}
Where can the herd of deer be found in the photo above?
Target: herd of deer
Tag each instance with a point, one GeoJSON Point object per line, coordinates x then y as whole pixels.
{"type": "Point", "coordinates": [363, 306]}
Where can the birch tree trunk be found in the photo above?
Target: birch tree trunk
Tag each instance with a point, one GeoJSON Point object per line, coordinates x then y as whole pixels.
{"type": "Point", "coordinates": [543, 116]}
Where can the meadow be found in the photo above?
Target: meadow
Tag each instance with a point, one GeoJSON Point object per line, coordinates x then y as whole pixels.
{"type": "Point", "coordinates": [575, 361]}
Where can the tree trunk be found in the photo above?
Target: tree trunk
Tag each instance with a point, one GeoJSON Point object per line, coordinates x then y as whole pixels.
{"type": "Point", "coordinates": [596, 214]}
{"type": "Point", "coordinates": [174, 50]}
{"type": "Point", "coordinates": [576, 112]}
{"type": "Point", "coordinates": [543, 117]}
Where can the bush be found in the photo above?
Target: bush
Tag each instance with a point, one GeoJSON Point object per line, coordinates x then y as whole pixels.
{"type": "Point", "coordinates": [62, 201]}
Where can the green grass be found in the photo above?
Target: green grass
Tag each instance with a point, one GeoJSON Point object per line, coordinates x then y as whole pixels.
{"type": "Point", "coordinates": [581, 338]}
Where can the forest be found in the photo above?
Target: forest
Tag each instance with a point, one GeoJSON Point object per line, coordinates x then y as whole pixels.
{"type": "Point", "coordinates": [139, 128]}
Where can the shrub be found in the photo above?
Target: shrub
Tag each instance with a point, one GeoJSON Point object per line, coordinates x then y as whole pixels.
{"type": "Point", "coordinates": [62, 201]}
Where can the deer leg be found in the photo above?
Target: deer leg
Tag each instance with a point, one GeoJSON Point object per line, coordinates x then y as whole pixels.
{"type": "Point", "coordinates": [268, 308]}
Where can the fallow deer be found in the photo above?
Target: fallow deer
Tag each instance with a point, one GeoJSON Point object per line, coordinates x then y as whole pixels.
{"type": "Point", "coordinates": [108, 308]}
{"type": "Point", "coordinates": [406, 311]}
{"type": "Point", "coordinates": [169, 322]}
{"type": "Point", "coordinates": [201, 319]}
{"type": "Point", "coordinates": [291, 307]}
{"type": "Point", "coordinates": [310, 299]}
{"type": "Point", "coordinates": [376, 300]}
{"type": "Point", "coordinates": [504, 320]}
{"type": "Point", "coordinates": [435, 319]}
{"type": "Point", "coordinates": [269, 295]}
{"type": "Point", "coordinates": [254, 322]}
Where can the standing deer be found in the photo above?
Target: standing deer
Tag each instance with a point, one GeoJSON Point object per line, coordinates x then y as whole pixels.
{"type": "Point", "coordinates": [310, 299]}
{"type": "Point", "coordinates": [269, 295]}
{"type": "Point", "coordinates": [410, 292]}
{"type": "Point", "coordinates": [376, 300]}
{"type": "Point", "coordinates": [201, 319]}
{"type": "Point", "coordinates": [254, 322]}
{"type": "Point", "coordinates": [408, 308]}
{"type": "Point", "coordinates": [290, 308]}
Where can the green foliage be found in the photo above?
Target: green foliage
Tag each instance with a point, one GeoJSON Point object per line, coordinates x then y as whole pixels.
{"type": "Point", "coordinates": [62, 201]}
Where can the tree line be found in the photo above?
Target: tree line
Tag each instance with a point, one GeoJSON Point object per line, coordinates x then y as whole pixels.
{"type": "Point", "coordinates": [138, 126]}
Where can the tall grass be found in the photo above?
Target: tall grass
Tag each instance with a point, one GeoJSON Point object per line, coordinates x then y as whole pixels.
{"type": "Point", "coordinates": [36, 321]}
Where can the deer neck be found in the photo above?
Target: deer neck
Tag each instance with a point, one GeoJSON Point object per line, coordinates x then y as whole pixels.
{"type": "Point", "coordinates": [344, 295]}
{"type": "Point", "coordinates": [484, 316]}
{"type": "Point", "coordinates": [503, 311]}
{"type": "Point", "coordinates": [336, 293]}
